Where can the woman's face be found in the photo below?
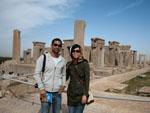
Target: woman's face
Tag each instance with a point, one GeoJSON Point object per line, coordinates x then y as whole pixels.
{"type": "Point", "coordinates": [76, 53]}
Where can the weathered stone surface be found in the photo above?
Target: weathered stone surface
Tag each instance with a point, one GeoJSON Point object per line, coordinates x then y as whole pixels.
{"type": "Point", "coordinates": [102, 72]}
{"type": "Point", "coordinates": [16, 46]}
{"type": "Point", "coordinates": [38, 49]}
{"type": "Point", "coordinates": [97, 52]}
{"type": "Point", "coordinates": [67, 46]}
{"type": "Point", "coordinates": [118, 58]}
{"type": "Point", "coordinates": [2, 93]}
{"type": "Point", "coordinates": [27, 56]}
{"type": "Point", "coordinates": [145, 91]}
{"type": "Point", "coordinates": [79, 30]}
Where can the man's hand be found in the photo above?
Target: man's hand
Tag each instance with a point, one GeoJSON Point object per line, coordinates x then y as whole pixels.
{"type": "Point", "coordinates": [43, 97]}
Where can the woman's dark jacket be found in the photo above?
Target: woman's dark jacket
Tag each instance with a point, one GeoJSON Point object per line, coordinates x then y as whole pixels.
{"type": "Point", "coordinates": [79, 75]}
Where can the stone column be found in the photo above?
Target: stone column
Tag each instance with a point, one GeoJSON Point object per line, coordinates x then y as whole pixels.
{"type": "Point", "coordinates": [16, 46]}
{"type": "Point", "coordinates": [27, 56]}
{"type": "Point", "coordinates": [126, 56]}
{"type": "Point", "coordinates": [102, 57]}
{"type": "Point", "coordinates": [114, 53]}
{"type": "Point", "coordinates": [134, 58]}
{"type": "Point", "coordinates": [121, 58]}
{"type": "Point", "coordinates": [38, 49]}
{"type": "Point", "coordinates": [67, 46]}
{"type": "Point", "coordinates": [79, 30]}
{"type": "Point", "coordinates": [117, 51]}
{"type": "Point", "coordinates": [111, 57]}
{"type": "Point", "coordinates": [140, 59]}
{"type": "Point", "coordinates": [144, 60]}
{"type": "Point", "coordinates": [130, 58]}
{"type": "Point", "coordinates": [106, 56]}
{"type": "Point", "coordinates": [97, 52]}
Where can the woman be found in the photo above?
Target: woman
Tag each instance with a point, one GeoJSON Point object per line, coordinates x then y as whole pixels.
{"type": "Point", "coordinates": [78, 72]}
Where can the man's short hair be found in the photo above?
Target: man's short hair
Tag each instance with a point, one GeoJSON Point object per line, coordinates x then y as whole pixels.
{"type": "Point", "coordinates": [56, 39]}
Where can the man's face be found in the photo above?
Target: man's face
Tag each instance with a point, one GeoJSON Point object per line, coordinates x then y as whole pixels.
{"type": "Point", "coordinates": [56, 47]}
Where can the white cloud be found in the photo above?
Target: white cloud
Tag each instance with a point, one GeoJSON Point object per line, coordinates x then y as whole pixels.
{"type": "Point", "coordinates": [28, 14]}
{"type": "Point", "coordinates": [134, 4]}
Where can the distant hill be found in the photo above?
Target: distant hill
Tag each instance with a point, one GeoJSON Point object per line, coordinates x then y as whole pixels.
{"type": "Point", "coordinates": [2, 59]}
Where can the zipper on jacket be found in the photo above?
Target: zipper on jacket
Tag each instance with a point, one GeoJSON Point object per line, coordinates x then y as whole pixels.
{"type": "Point", "coordinates": [54, 74]}
{"type": "Point", "coordinates": [53, 78]}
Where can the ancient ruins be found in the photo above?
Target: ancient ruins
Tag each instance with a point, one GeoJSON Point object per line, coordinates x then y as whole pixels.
{"type": "Point", "coordinates": [114, 59]}
{"type": "Point", "coordinates": [104, 60]}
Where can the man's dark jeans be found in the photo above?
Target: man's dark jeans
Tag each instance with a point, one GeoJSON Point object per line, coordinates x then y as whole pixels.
{"type": "Point", "coordinates": [55, 105]}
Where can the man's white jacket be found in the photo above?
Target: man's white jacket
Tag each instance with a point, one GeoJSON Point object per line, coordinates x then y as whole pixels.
{"type": "Point", "coordinates": [53, 76]}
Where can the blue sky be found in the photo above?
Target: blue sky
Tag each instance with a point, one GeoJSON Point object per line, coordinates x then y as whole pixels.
{"type": "Point", "coordinates": [125, 21]}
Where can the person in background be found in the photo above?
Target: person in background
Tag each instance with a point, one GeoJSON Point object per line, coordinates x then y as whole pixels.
{"type": "Point", "coordinates": [51, 81]}
{"type": "Point", "coordinates": [78, 72]}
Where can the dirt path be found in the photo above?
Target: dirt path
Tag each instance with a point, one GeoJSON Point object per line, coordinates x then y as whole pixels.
{"type": "Point", "coordinates": [14, 105]}
{"type": "Point", "coordinates": [115, 80]}
{"type": "Point", "coordinates": [116, 106]}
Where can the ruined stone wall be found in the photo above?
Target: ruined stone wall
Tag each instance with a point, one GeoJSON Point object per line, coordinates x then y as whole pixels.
{"type": "Point", "coordinates": [126, 55]}
{"type": "Point", "coordinates": [12, 66]}
{"type": "Point", "coordinates": [105, 58]}
{"type": "Point", "coordinates": [47, 49]}
{"type": "Point", "coordinates": [38, 49]}
{"type": "Point", "coordinates": [22, 68]}
{"type": "Point", "coordinates": [111, 54]}
{"type": "Point", "coordinates": [87, 52]}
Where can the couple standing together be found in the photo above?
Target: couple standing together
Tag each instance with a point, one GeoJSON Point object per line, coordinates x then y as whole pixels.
{"type": "Point", "coordinates": [57, 73]}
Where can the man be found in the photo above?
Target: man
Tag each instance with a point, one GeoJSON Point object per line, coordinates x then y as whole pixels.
{"type": "Point", "coordinates": [52, 80]}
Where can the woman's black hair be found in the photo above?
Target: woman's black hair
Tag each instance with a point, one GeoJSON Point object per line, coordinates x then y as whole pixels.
{"type": "Point", "coordinates": [74, 47]}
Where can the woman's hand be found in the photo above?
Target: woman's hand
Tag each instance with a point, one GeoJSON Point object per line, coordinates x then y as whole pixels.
{"type": "Point", "coordinates": [62, 88]}
{"type": "Point", "coordinates": [84, 99]}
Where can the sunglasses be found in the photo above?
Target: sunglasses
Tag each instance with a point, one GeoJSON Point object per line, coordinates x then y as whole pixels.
{"type": "Point", "coordinates": [58, 45]}
{"type": "Point", "coordinates": [77, 51]}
